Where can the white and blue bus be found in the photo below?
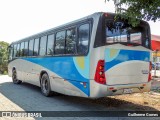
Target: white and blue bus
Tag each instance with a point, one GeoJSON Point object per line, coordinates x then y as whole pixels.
{"type": "Point", "coordinates": [95, 56]}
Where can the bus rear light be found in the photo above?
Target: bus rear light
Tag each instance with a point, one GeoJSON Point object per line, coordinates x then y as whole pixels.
{"type": "Point", "coordinates": [149, 75]}
{"type": "Point", "coordinates": [106, 14]}
{"type": "Point", "coordinates": [111, 88]}
{"type": "Point", "coordinates": [150, 65]}
{"type": "Point", "coordinates": [129, 45]}
{"type": "Point", "coordinates": [100, 72]}
{"type": "Point", "coordinates": [144, 84]}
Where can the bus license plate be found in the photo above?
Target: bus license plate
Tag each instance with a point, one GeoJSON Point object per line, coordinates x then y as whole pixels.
{"type": "Point", "coordinates": [127, 91]}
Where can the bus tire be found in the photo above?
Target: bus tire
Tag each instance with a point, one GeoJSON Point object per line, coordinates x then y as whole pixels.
{"type": "Point", "coordinates": [14, 77]}
{"type": "Point", "coordinates": [45, 85]}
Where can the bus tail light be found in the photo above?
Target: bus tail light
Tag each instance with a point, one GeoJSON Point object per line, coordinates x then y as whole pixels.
{"type": "Point", "coordinates": [129, 45]}
{"type": "Point", "coordinates": [106, 14]}
{"type": "Point", "coordinates": [149, 75]}
{"type": "Point", "coordinates": [100, 72]}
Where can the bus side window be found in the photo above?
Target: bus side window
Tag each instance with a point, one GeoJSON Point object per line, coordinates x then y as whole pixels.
{"type": "Point", "coordinates": [15, 51]}
{"type": "Point", "coordinates": [26, 49]}
{"type": "Point", "coordinates": [22, 49]}
{"type": "Point", "coordinates": [31, 47]}
{"type": "Point", "coordinates": [60, 42]}
{"type": "Point", "coordinates": [36, 47]}
{"type": "Point", "coordinates": [83, 39]}
{"type": "Point", "coordinates": [18, 50]}
{"type": "Point", "coordinates": [50, 44]}
{"type": "Point", "coordinates": [42, 49]}
{"type": "Point", "coordinates": [71, 41]}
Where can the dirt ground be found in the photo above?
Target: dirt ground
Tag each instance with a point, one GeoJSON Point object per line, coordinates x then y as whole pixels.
{"type": "Point", "coordinates": [140, 101]}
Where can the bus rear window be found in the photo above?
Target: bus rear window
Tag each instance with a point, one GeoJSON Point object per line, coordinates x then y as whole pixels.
{"type": "Point", "coordinates": [122, 32]}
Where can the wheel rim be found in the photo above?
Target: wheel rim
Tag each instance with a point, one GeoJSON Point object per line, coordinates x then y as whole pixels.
{"type": "Point", "coordinates": [14, 77]}
{"type": "Point", "coordinates": [44, 85]}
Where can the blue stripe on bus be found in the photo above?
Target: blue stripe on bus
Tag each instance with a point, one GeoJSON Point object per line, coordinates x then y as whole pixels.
{"type": "Point", "coordinates": [65, 68]}
{"type": "Point", "coordinates": [126, 55]}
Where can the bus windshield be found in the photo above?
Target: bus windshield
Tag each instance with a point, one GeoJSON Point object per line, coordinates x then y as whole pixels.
{"type": "Point", "coordinates": [121, 32]}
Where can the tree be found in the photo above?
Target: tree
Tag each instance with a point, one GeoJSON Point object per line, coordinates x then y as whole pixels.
{"type": "Point", "coordinates": [140, 9]}
{"type": "Point", "coordinates": [3, 56]}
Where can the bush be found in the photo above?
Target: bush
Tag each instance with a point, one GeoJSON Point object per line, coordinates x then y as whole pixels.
{"type": "Point", "coordinates": [5, 72]}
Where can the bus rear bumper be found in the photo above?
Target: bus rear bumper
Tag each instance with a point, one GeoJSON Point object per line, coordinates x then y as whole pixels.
{"type": "Point", "coordinates": [98, 90]}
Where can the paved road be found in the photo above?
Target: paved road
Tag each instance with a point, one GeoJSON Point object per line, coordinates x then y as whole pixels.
{"type": "Point", "coordinates": [26, 97]}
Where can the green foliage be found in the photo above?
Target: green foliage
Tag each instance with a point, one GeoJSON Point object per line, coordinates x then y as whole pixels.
{"type": "Point", "coordinates": [3, 57]}
{"type": "Point", "coordinates": [5, 73]}
{"type": "Point", "coordinates": [141, 9]}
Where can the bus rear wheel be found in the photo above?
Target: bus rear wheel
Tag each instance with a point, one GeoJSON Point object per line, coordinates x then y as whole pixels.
{"type": "Point", "coordinates": [14, 78]}
{"type": "Point", "coordinates": [45, 85]}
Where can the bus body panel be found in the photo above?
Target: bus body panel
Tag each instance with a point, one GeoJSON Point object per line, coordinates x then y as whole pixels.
{"type": "Point", "coordinates": [60, 71]}
{"type": "Point", "coordinates": [131, 74]}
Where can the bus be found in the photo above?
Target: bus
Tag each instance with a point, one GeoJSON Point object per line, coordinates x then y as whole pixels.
{"type": "Point", "coordinates": [94, 56]}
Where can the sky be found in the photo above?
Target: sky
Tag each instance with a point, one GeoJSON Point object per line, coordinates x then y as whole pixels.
{"type": "Point", "coordinates": [22, 18]}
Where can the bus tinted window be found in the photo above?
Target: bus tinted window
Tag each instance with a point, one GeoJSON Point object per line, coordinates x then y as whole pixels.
{"type": "Point", "coordinates": [18, 50]}
{"type": "Point", "coordinates": [50, 45]}
{"type": "Point", "coordinates": [83, 39]}
{"type": "Point", "coordinates": [42, 50]}
{"type": "Point", "coordinates": [136, 38]}
{"type": "Point", "coordinates": [26, 49]}
{"type": "Point", "coordinates": [120, 31]}
{"type": "Point", "coordinates": [36, 47]}
{"type": "Point", "coordinates": [31, 47]}
{"type": "Point", "coordinates": [15, 50]}
{"type": "Point", "coordinates": [60, 42]}
{"type": "Point", "coordinates": [22, 49]}
{"type": "Point", "coordinates": [71, 41]}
